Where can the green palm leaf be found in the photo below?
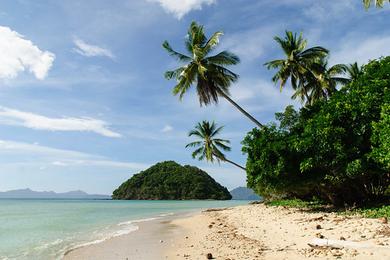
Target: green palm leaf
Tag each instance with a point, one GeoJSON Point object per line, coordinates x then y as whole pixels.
{"type": "Point", "coordinates": [207, 72]}
{"type": "Point", "coordinates": [208, 146]}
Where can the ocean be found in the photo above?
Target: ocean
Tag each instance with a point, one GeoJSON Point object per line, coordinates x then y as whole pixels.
{"type": "Point", "coordinates": [46, 229]}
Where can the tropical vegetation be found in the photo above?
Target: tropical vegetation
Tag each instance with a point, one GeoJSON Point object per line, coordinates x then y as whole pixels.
{"type": "Point", "coordinates": [208, 73]}
{"type": "Point", "coordinates": [307, 69]}
{"type": "Point", "coordinates": [171, 181]}
{"type": "Point", "coordinates": [209, 147]}
{"type": "Point", "coordinates": [336, 150]}
{"type": "Point", "coordinates": [377, 3]}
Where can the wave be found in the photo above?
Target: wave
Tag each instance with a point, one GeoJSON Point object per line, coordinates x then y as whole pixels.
{"type": "Point", "coordinates": [127, 227]}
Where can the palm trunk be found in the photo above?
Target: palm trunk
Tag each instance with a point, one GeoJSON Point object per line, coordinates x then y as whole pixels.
{"type": "Point", "coordinates": [235, 164]}
{"type": "Point", "coordinates": [241, 110]}
{"type": "Point", "coordinates": [227, 160]}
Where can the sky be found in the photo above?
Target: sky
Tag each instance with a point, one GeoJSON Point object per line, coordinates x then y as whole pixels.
{"type": "Point", "coordinates": [83, 101]}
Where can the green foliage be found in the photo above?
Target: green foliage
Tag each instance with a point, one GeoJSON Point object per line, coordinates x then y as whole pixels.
{"type": "Point", "coordinates": [372, 212]}
{"type": "Point", "coordinates": [209, 73]}
{"type": "Point", "coordinates": [381, 138]}
{"type": "Point", "coordinates": [208, 145]}
{"type": "Point", "coordinates": [294, 203]}
{"type": "Point", "coordinates": [307, 68]}
{"type": "Point", "coordinates": [337, 150]}
{"type": "Point", "coordinates": [376, 211]}
{"type": "Point", "coordinates": [377, 3]}
{"type": "Point", "coordinates": [171, 181]}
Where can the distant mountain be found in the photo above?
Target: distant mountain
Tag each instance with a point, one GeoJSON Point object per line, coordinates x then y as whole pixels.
{"type": "Point", "coordinates": [30, 194]}
{"type": "Point", "coordinates": [243, 193]}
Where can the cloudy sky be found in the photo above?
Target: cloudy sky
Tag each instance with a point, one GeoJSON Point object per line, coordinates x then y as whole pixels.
{"type": "Point", "coordinates": [83, 101]}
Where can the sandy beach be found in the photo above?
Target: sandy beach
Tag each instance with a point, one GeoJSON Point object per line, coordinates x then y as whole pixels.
{"type": "Point", "coordinates": [249, 232]}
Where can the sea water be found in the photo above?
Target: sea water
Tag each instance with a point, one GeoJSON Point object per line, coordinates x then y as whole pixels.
{"type": "Point", "coordinates": [46, 229]}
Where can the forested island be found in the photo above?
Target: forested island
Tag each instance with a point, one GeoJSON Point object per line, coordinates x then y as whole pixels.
{"type": "Point", "coordinates": [171, 181]}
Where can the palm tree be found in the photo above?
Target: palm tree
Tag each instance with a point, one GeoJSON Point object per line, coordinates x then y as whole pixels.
{"type": "Point", "coordinates": [209, 147]}
{"type": "Point", "coordinates": [297, 65]}
{"type": "Point", "coordinates": [378, 3]}
{"type": "Point", "coordinates": [325, 80]}
{"type": "Point", "coordinates": [208, 73]}
{"type": "Point", "coordinates": [353, 71]}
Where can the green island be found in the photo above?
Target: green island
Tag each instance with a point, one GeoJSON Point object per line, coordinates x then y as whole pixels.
{"type": "Point", "coordinates": [171, 181]}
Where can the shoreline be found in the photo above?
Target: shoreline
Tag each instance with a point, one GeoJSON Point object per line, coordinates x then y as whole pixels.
{"type": "Point", "coordinates": [156, 232]}
{"type": "Point", "coordinates": [247, 232]}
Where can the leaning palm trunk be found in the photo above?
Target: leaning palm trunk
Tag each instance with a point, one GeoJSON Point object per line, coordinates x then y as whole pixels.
{"type": "Point", "coordinates": [235, 164]}
{"type": "Point", "coordinates": [228, 161]}
{"type": "Point", "coordinates": [241, 110]}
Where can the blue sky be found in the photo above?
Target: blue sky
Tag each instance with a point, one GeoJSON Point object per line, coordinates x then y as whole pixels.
{"type": "Point", "coordinates": [83, 100]}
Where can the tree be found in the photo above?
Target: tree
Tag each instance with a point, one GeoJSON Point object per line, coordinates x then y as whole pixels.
{"type": "Point", "coordinates": [378, 3]}
{"type": "Point", "coordinates": [209, 147]}
{"type": "Point", "coordinates": [297, 64]}
{"type": "Point", "coordinates": [337, 150]}
{"type": "Point", "coordinates": [325, 81]}
{"type": "Point", "coordinates": [353, 71]}
{"type": "Point", "coordinates": [208, 73]}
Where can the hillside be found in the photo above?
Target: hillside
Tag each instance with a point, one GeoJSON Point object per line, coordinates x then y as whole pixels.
{"type": "Point", "coordinates": [243, 193]}
{"type": "Point", "coordinates": [171, 181]}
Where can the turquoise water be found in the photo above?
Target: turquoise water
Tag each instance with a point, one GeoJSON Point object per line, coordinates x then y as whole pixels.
{"type": "Point", "coordinates": [46, 229]}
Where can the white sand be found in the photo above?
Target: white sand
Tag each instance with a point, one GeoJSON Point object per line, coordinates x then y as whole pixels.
{"type": "Point", "coordinates": [261, 232]}
{"type": "Point", "coordinates": [246, 232]}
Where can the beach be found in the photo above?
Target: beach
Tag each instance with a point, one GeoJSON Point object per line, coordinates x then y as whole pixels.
{"type": "Point", "coordinates": [248, 232]}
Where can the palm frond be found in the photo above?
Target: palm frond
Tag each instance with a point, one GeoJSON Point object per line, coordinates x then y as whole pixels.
{"type": "Point", "coordinates": [173, 53]}
{"type": "Point", "coordinates": [194, 144]}
{"type": "Point", "coordinates": [212, 42]}
{"type": "Point", "coordinates": [224, 58]}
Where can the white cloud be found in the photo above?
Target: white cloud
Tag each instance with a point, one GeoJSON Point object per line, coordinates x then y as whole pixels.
{"type": "Point", "coordinates": [361, 49]}
{"type": "Point", "coordinates": [179, 8]}
{"type": "Point", "coordinates": [59, 163]}
{"type": "Point", "coordinates": [10, 116]}
{"type": "Point", "coordinates": [250, 44]}
{"type": "Point", "coordinates": [89, 50]}
{"type": "Point", "coordinates": [46, 157]}
{"type": "Point", "coordinates": [323, 11]}
{"type": "Point", "coordinates": [19, 54]}
{"type": "Point", "coordinates": [167, 128]}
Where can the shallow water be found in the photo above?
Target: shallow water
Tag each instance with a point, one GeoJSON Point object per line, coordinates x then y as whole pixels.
{"type": "Point", "coordinates": [46, 229]}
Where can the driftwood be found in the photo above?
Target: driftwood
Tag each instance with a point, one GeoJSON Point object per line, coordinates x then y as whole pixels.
{"type": "Point", "coordinates": [339, 244]}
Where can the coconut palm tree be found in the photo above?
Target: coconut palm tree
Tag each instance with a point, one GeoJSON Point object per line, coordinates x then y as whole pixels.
{"type": "Point", "coordinates": [209, 147]}
{"type": "Point", "coordinates": [378, 3]}
{"type": "Point", "coordinates": [297, 64]}
{"type": "Point", "coordinates": [353, 71]}
{"type": "Point", "coordinates": [208, 73]}
{"type": "Point", "coordinates": [325, 80]}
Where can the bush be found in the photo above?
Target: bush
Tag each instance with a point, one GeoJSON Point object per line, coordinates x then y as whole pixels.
{"type": "Point", "coordinates": [337, 150]}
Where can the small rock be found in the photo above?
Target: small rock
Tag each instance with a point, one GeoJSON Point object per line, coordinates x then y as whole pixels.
{"type": "Point", "coordinates": [318, 227]}
{"type": "Point", "coordinates": [210, 226]}
{"type": "Point", "coordinates": [342, 238]}
{"type": "Point", "coordinates": [161, 241]}
{"type": "Point", "coordinates": [383, 220]}
{"type": "Point", "coordinates": [319, 235]}
{"type": "Point", "coordinates": [209, 256]}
